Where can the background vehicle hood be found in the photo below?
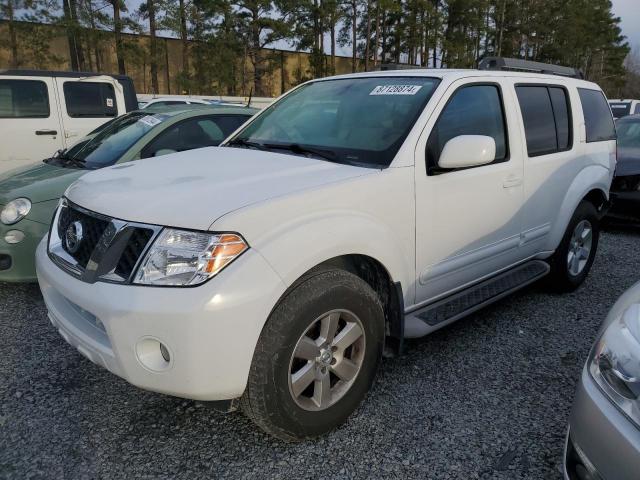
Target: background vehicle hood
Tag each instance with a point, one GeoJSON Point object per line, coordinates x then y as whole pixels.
{"type": "Point", "coordinates": [38, 182]}
{"type": "Point", "coordinates": [628, 162]}
{"type": "Point", "coordinates": [192, 189]}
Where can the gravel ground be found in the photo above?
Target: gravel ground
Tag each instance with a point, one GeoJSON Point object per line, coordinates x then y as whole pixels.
{"type": "Point", "coordinates": [488, 397]}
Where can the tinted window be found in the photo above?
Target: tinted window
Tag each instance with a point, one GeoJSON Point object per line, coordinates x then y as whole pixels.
{"type": "Point", "coordinates": [194, 133]}
{"type": "Point", "coordinates": [473, 110]}
{"type": "Point", "coordinates": [23, 99]}
{"type": "Point", "coordinates": [637, 109]}
{"type": "Point", "coordinates": [90, 99]}
{"type": "Point", "coordinates": [562, 116]}
{"type": "Point", "coordinates": [620, 110]}
{"type": "Point", "coordinates": [539, 123]}
{"type": "Point", "coordinates": [360, 121]}
{"type": "Point", "coordinates": [597, 116]}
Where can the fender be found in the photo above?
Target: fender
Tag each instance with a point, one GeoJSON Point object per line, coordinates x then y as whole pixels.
{"type": "Point", "coordinates": [593, 177]}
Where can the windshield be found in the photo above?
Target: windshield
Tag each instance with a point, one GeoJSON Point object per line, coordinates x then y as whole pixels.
{"type": "Point", "coordinates": [361, 121]}
{"type": "Point", "coordinates": [109, 143]}
{"type": "Point", "coordinates": [628, 134]}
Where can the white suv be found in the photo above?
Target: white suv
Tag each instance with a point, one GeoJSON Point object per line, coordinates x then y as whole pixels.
{"type": "Point", "coordinates": [355, 212]}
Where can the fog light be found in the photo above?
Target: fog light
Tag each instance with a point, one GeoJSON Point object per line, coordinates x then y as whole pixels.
{"type": "Point", "coordinates": [153, 354]}
{"type": "Point", "coordinates": [14, 236]}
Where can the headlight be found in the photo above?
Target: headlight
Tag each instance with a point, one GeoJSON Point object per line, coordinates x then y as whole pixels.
{"type": "Point", "coordinates": [615, 362]}
{"type": "Point", "coordinates": [15, 210]}
{"type": "Point", "coordinates": [182, 257]}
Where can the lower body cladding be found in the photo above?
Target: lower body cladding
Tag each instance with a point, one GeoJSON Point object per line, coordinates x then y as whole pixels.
{"type": "Point", "coordinates": [195, 343]}
{"type": "Point", "coordinates": [602, 443]}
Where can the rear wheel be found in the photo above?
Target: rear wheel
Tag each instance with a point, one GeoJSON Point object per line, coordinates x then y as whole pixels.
{"type": "Point", "coordinates": [316, 357]}
{"type": "Point", "coordinates": [572, 262]}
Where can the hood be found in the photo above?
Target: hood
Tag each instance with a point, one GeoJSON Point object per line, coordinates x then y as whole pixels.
{"type": "Point", "coordinates": [192, 189]}
{"type": "Point", "coordinates": [39, 182]}
{"type": "Point", "coordinates": [628, 162]}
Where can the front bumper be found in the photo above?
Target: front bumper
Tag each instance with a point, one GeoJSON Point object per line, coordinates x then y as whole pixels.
{"type": "Point", "coordinates": [21, 256]}
{"type": "Point", "coordinates": [601, 438]}
{"type": "Point", "coordinates": [210, 331]}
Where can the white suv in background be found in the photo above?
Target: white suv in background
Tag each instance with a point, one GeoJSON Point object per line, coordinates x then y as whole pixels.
{"type": "Point", "coordinates": [42, 112]}
{"type": "Point", "coordinates": [353, 213]}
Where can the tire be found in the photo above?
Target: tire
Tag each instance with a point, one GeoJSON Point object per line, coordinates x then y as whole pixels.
{"type": "Point", "coordinates": [563, 276]}
{"type": "Point", "coordinates": [271, 400]}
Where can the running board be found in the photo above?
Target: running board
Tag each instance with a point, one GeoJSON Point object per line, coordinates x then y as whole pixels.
{"type": "Point", "coordinates": [448, 310]}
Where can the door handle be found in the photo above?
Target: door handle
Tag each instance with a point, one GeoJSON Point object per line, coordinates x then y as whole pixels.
{"type": "Point", "coordinates": [512, 181]}
{"type": "Point", "coordinates": [46, 132]}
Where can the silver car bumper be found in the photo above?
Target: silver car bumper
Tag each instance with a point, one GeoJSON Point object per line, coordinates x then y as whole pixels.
{"type": "Point", "coordinates": [602, 443]}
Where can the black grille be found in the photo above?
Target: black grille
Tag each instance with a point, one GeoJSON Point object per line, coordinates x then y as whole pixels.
{"type": "Point", "coordinates": [114, 245]}
{"type": "Point", "coordinates": [130, 255]}
{"type": "Point", "coordinates": [92, 230]}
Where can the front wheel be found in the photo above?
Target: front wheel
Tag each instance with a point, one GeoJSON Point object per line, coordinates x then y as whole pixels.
{"type": "Point", "coordinates": [317, 356]}
{"type": "Point", "coordinates": [574, 257]}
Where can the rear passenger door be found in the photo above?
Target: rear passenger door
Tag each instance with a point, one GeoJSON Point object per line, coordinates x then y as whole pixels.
{"type": "Point", "coordinates": [29, 122]}
{"type": "Point", "coordinates": [555, 153]}
{"type": "Point", "coordinates": [467, 220]}
{"type": "Point", "coordinates": [86, 104]}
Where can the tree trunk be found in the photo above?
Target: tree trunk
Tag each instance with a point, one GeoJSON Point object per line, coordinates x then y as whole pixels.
{"type": "Point", "coordinates": [333, 42]}
{"type": "Point", "coordinates": [501, 30]}
{"type": "Point", "coordinates": [184, 39]}
{"type": "Point", "coordinates": [368, 38]}
{"type": "Point", "coordinates": [167, 76]}
{"type": "Point", "coordinates": [354, 34]}
{"type": "Point", "coordinates": [376, 43]}
{"type": "Point", "coordinates": [71, 36]}
{"type": "Point", "coordinates": [117, 29]}
{"type": "Point", "coordinates": [153, 50]}
{"type": "Point", "coordinates": [13, 37]}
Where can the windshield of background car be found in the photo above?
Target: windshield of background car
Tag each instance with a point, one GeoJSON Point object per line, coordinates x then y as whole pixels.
{"type": "Point", "coordinates": [361, 121]}
{"type": "Point", "coordinates": [110, 143]}
{"type": "Point", "coordinates": [628, 133]}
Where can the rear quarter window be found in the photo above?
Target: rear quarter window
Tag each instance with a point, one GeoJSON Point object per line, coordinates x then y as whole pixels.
{"type": "Point", "coordinates": [597, 116]}
{"type": "Point", "coordinates": [90, 99]}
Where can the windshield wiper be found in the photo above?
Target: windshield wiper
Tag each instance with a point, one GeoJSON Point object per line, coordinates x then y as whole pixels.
{"type": "Point", "coordinates": [241, 142]}
{"type": "Point", "coordinates": [297, 148]}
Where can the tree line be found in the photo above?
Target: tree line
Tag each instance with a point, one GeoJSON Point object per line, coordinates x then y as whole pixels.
{"type": "Point", "coordinates": [220, 37]}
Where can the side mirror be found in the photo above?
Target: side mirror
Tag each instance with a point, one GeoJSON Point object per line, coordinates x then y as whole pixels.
{"type": "Point", "coordinates": [468, 151]}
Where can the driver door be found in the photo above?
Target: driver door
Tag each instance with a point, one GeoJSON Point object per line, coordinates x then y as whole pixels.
{"type": "Point", "coordinates": [468, 223]}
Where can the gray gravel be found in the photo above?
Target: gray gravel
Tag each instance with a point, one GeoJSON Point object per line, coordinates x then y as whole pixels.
{"type": "Point", "coordinates": [488, 397]}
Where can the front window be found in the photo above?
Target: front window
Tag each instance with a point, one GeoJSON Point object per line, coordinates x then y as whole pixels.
{"type": "Point", "coordinates": [628, 134]}
{"type": "Point", "coordinates": [359, 121]}
{"type": "Point", "coordinates": [110, 143]}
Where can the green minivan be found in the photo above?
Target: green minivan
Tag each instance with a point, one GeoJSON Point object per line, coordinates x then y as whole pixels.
{"type": "Point", "coordinates": [29, 195]}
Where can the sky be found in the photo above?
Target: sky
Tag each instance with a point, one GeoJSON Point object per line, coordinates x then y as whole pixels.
{"type": "Point", "coordinates": [629, 12]}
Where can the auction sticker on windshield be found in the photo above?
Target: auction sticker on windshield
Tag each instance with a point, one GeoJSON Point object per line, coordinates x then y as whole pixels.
{"type": "Point", "coordinates": [150, 120]}
{"type": "Point", "coordinates": [396, 90]}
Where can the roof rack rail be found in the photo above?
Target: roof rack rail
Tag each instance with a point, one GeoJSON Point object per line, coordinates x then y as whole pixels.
{"type": "Point", "coordinates": [518, 65]}
{"type": "Point", "coordinates": [382, 67]}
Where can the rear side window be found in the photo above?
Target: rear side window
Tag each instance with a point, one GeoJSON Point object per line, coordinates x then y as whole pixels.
{"type": "Point", "coordinates": [597, 116]}
{"type": "Point", "coordinates": [23, 99]}
{"type": "Point", "coordinates": [90, 99]}
{"type": "Point", "coordinates": [547, 120]}
{"type": "Point", "coordinates": [472, 110]}
{"type": "Point", "coordinates": [637, 109]}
